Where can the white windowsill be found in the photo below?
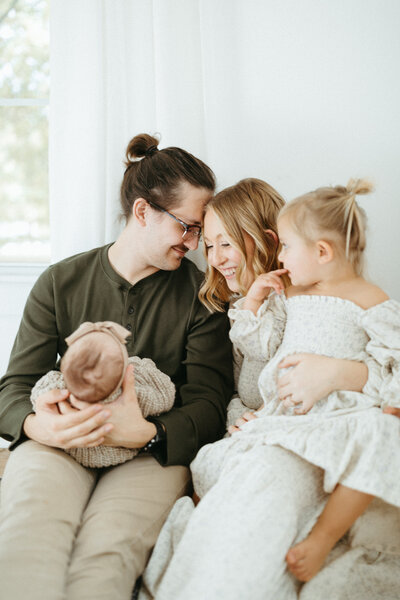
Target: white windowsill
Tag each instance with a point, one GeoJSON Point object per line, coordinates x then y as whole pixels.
{"type": "Point", "coordinates": [21, 272]}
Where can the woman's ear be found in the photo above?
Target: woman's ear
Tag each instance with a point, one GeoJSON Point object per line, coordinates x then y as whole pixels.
{"type": "Point", "coordinates": [325, 251]}
{"type": "Point", "coordinates": [139, 210]}
{"type": "Point", "coordinates": [272, 234]}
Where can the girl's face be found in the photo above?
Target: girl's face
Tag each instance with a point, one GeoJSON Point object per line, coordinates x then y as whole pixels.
{"type": "Point", "coordinates": [298, 256]}
{"type": "Point", "coordinates": [223, 255]}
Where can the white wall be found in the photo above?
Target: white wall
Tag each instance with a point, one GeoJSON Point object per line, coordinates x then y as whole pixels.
{"type": "Point", "coordinates": [315, 100]}
{"type": "Point", "coordinates": [299, 93]}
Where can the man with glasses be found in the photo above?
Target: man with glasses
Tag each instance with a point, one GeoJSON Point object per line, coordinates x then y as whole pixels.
{"type": "Point", "coordinates": [189, 231]}
{"type": "Point", "coordinates": [68, 531]}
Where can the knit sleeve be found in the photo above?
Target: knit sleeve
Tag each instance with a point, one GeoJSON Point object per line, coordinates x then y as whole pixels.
{"type": "Point", "coordinates": [51, 381]}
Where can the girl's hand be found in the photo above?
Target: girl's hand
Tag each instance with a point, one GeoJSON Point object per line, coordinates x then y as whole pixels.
{"type": "Point", "coordinates": [260, 289]}
{"type": "Point", "coordinates": [247, 416]}
{"type": "Point", "coordinates": [314, 377]}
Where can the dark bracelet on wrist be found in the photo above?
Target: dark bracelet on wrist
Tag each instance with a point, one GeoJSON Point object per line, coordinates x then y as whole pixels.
{"type": "Point", "coordinates": [160, 435]}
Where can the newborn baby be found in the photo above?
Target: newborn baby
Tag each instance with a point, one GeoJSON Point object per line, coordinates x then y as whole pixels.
{"type": "Point", "coordinates": [92, 369]}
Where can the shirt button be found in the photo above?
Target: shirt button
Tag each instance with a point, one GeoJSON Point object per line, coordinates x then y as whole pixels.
{"type": "Point", "coordinates": [130, 310]}
{"type": "Point", "coordinates": [129, 327]}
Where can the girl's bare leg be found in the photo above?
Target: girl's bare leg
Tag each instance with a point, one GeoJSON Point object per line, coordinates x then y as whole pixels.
{"type": "Point", "coordinates": [344, 506]}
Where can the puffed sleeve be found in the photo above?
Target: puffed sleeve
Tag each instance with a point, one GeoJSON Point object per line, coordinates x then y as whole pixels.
{"type": "Point", "coordinates": [258, 336]}
{"type": "Point", "coordinates": [382, 324]}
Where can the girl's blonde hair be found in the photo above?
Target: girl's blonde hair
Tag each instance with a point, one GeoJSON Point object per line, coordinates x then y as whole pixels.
{"type": "Point", "coordinates": [250, 206]}
{"type": "Point", "coordinates": [332, 213]}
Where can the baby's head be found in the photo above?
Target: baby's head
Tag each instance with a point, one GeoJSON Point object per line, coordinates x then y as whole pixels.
{"type": "Point", "coordinates": [94, 364]}
{"type": "Point", "coordinates": [333, 215]}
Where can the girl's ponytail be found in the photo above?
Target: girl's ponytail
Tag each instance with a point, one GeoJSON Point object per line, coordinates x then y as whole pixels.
{"type": "Point", "coordinates": [333, 213]}
{"type": "Point", "coordinates": [355, 220]}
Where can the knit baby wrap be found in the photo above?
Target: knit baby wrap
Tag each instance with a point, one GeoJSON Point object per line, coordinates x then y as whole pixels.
{"type": "Point", "coordinates": [155, 392]}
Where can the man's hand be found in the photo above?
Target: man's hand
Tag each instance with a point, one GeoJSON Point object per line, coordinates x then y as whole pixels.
{"type": "Point", "coordinates": [66, 427]}
{"type": "Point", "coordinates": [131, 430]}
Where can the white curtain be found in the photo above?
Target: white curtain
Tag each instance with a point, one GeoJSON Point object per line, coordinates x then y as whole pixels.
{"type": "Point", "coordinates": [118, 68]}
{"type": "Point", "coordinates": [301, 94]}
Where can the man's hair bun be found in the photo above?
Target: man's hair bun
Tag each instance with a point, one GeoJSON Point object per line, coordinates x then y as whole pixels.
{"type": "Point", "coordinates": [141, 145]}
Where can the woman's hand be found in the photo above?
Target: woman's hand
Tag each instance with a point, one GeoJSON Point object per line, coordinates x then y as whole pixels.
{"type": "Point", "coordinates": [392, 410]}
{"type": "Point", "coordinates": [260, 289]}
{"type": "Point", "coordinates": [56, 423]}
{"type": "Point", "coordinates": [245, 418]}
{"type": "Point", "coordinates": [313, 377]}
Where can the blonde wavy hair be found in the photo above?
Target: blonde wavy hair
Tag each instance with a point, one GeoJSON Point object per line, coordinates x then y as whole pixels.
{"type": "Point", "coordinates": [333, 214]}
{"type": "Point", "coordinates": [250, 206]}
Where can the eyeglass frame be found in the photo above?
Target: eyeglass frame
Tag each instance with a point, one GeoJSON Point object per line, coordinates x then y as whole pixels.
{"type": "Point", "coordinates": [192, 229]}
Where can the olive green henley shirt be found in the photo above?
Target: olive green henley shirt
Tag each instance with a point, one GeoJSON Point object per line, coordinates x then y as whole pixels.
{"type": "Point", "coordinates": [168, 324]}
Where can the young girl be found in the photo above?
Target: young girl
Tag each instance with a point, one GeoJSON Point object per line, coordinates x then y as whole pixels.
{"type": "Point", "coordinates": [331, 309]}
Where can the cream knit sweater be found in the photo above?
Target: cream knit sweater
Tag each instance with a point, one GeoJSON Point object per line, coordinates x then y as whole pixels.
{"type": "Point", "coordinates": [155, 392]}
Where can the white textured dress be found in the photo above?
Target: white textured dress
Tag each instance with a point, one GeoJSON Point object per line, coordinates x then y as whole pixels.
{"type": "Point", "coordinates": [263, 488]}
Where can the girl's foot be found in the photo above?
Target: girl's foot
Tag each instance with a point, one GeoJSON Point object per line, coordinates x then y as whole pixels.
{"type": "Point", "coordinates": [306, 558]}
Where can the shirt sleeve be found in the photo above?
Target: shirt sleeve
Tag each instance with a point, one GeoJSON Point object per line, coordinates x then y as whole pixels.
{"type": "Point", "coordinates": [258, 336]}
{"type": "Point", "coordinates": [382, 324]}
{"type": "Point", "coordinates": [34, 353]}
{"type": "Point", "coordinates": [200, 418]}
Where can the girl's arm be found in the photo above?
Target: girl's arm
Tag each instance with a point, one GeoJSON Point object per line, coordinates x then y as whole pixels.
{"type": "Point", "coordinates": [313, 377]}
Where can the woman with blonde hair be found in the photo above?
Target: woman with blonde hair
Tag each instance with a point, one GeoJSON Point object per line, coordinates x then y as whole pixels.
{"type": "Point", "coordinates": [230, 544]}
{"type": "Point", "coordinates": [248, 211]}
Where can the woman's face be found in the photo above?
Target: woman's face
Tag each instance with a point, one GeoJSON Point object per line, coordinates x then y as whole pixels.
{"type": "Point", "coordinates": [223, 255]}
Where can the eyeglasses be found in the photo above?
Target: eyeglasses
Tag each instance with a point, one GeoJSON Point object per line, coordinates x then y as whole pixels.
{"type": "Point", "coordinates": [190, 231]}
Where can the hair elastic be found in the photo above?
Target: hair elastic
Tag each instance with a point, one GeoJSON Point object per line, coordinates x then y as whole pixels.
{"type": "Point", "coordinates": [151, 150]}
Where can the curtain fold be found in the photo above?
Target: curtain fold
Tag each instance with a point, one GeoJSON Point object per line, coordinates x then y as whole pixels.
{"type": "Point", "coordinates": [118, 68]}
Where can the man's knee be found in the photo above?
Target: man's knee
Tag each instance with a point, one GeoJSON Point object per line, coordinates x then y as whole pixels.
{"type": "Point", "coordinates": [46, 480]}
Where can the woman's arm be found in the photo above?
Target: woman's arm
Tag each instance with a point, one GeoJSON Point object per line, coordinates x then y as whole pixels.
{"type": "Point", "coordinates": [392, 410]}
{"type": "Point", "coordinates": [313, 377]}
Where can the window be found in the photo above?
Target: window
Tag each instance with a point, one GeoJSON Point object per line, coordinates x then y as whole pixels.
{"type": "Point", "coordinates": [24, 102]}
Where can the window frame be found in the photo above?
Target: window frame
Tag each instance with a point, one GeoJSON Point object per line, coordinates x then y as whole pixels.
{"type": "Point", "coordinates": [21, 270]}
